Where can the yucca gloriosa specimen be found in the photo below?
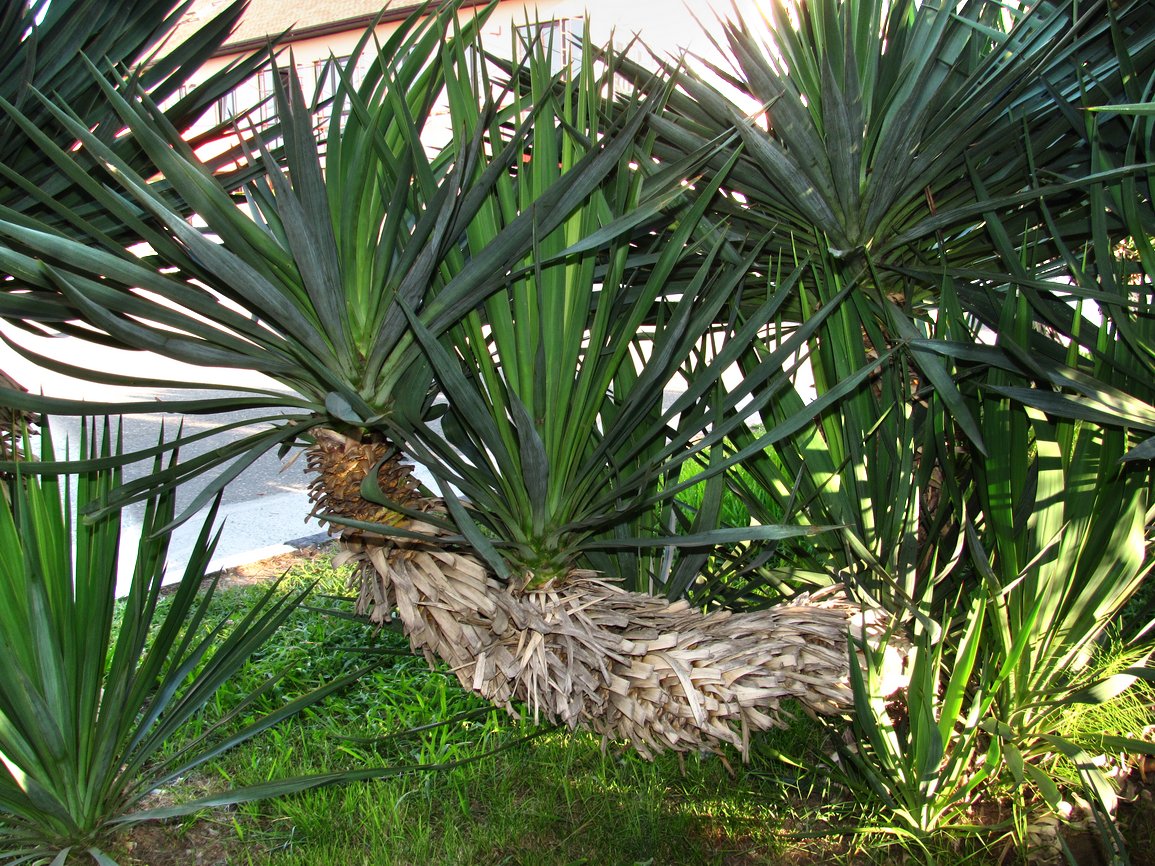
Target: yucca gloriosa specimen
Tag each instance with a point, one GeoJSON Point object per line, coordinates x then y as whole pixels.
{"type": "Point", "coordinates": [1010, 223]}
{"type": "Point", "coordinates": [1062, 513]}
{"type": "Point", "coordinates": [313, 303]}
{"type": "Point", "coordinates": [873, 114]}
{"type": "Point", "coordinates": [886, 130]}
{"type": "Point", "coordinates": [1056, 530]}
{"type": "Point", "coordinates": [559, 453]}
{"type": "Point", "coordinates": [535, 205]}
{"type": "Point", "coordinates": [921, 153]}
{"type": "Point", "coordinates": [878, 461]}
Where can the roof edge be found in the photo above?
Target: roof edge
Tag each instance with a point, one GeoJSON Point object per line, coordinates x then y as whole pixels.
{"type": "Point", "coordinates": [359, 22]}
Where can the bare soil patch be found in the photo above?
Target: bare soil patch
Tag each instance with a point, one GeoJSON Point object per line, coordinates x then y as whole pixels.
{"type": "Point", "coordinates": [204, 842]}
{"type": "Point", "coordinates": [273, 567]}
{"type": "Point", "coordinates": [263, 570]}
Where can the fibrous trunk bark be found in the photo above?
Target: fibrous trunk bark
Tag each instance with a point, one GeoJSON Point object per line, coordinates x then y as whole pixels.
{"type": "Point", "coordinates": [586, 653]}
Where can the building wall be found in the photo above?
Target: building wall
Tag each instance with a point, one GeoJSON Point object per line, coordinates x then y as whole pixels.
{"type": "Point", "coordinates": [667, 27]}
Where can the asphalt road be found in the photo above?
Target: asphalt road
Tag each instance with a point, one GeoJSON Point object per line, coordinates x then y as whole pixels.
{"type": "Point", "coordinates": [268, 476]}
{"type": "Point", "coordinates": [264, 510]}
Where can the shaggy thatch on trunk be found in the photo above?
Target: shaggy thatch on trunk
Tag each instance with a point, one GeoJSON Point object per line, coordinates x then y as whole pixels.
{"type": "Point", "coordinates": [626, 665]}
{"type": "Point", "coordinates": [13, 422]}
{"type": "Point", "coordinates": [586, 653]}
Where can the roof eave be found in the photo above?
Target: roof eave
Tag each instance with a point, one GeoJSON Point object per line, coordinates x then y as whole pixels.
{"type": "Point", "coordinates": [329, 28]}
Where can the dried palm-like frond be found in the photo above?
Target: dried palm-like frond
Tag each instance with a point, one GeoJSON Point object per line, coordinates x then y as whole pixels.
{"type": "Point", "coordinates": [629, 666]}
{"type": "Point", "coordinates": [13, 422]}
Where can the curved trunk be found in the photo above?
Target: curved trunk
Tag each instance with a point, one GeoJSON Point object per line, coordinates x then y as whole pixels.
{"type": "Point", "coordinates": [588, 654]}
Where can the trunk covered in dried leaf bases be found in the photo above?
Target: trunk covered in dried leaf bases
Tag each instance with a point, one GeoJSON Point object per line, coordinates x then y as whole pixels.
{"type": "Point", "coordinates": [586, 653]}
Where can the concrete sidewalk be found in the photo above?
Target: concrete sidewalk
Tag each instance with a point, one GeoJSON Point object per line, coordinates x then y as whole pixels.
{"type": "Point", "coordinates": [250, 531]}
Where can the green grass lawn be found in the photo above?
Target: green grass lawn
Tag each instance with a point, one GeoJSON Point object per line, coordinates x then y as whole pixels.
{"type": "Point", "coordinates": [513, 793]}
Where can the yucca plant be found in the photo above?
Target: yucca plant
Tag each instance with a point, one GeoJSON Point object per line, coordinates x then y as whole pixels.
{"type": "Point", "coordinates": [902, 461]}
{"type": "Point", "coordinates": [557, 453]}
{"type": "Point", "coordinates": [877, 461]}
{"type": "Point", "coordinates": [870, 114]}
{"type": "Point", "coordinates": [884, 135]}
{"type": "Point", "coordinates": [315, 303]}
{"type": "Point", "coordinates": [43, 46]}
{"type": "Point", "coordinates": [349, 311]}
{"type": "Point", "coordinates": [560, 374]}
{"type": "Point", "coordinates": [93, 689]}
{"type": "Point", "coordinates": [886, 131]}
{"type": "Point", "coordinates": [352, 313]}
{"type": "Point", "coordinates": [1083, 432]}
{"type": "Point", "coordinates": [1056, 543]}
{"type": "Point", "coordinates": [1065, 529]}
{"type": "Point", "coordinates": [1057, 538]}
{"type": "Point", "coordinates": [928, 757]}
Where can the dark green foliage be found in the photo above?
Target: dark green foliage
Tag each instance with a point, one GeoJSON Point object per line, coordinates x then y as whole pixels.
{"type": "Point", "coordinates": [46, 47]}
{"type": "Point", "coordinates": [87, 709]}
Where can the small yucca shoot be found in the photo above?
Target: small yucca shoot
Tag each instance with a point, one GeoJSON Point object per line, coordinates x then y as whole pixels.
{"type": "Point", "coordinates": [88, 705]}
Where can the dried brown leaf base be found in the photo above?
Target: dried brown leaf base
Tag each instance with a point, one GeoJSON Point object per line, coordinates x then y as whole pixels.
{"type": "Point", "coordinates": [634, 667]}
